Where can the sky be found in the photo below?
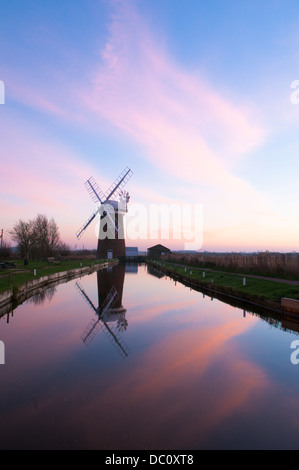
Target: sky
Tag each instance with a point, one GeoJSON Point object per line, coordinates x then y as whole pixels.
{"type": "Point", "coordinates": [198, 98]}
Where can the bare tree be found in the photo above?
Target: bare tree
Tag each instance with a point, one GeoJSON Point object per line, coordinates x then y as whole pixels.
{"type": "Point", "coordinates": [25, 235]}
{"type": "Point", "coordinates": [36, 238]}
{"type": "Point", "coordinates": [48, 236]}
{"type": "Point", "coordinates": [53, 239]}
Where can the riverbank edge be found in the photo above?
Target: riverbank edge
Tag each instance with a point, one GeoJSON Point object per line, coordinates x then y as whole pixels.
{"type": "Point", "coordinates": [222, 290]}
{"type": "Point", "coordinates": [14, 297]}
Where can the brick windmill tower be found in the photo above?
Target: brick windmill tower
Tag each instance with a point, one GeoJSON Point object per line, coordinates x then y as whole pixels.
{"type": "Point", "coordinates": [111, 239]}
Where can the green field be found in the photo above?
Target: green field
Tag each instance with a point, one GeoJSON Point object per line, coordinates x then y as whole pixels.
{"type": "Point", "coordinates": [14, 277]}
{"type": "Point", "coordinates": [259, 289]}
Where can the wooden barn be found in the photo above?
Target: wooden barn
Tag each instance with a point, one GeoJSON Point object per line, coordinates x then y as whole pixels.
{"type": "Point", "coordinates": [157, 251]}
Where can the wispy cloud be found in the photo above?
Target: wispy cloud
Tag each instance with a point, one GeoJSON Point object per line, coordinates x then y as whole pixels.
{"type": "Point", "coordinates": [185, 126]}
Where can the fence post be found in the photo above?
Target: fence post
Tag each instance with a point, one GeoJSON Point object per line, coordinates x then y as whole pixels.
{"type": "Point", "coordinates": [2, 353]}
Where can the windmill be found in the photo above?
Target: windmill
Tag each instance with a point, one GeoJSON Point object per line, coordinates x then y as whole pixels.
{"type": "Point", "coordinates": [110, 314]}
{"type": "Point", "coordinates": [111, 239]}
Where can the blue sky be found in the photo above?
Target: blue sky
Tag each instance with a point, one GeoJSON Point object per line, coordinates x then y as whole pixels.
{"type": "Point", "coordinates": [193, 96]}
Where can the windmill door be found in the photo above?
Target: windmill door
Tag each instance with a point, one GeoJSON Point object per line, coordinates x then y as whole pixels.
{"type": "Point", "coordinates": [109, 254]}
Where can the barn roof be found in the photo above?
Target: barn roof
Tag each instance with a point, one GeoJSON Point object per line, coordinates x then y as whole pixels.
{"type": "Point", "coordinates": [159, 247]}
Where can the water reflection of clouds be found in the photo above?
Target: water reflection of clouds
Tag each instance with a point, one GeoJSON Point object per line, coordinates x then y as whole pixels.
{"type": "Point", "coordinates": [182, 389]}
{"type": "Point", "coordinates": [187, 383]}
{"type": "Point", "coordinates": [139, 313]}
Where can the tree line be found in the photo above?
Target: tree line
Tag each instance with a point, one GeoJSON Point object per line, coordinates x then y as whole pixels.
{"type": "Point", "coordinates": [37, 238]}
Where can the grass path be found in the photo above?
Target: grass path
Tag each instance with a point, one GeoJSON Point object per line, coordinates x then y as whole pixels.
{"type": "Point", "coordinates": [257, 287]}
{"type": "Point", "coordinates": [255, 276]}
{"type": "Point", "coordinates": [36, 269]}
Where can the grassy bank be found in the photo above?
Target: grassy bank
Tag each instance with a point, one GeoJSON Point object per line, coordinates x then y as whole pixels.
{"type": "Point", "coordinates": [255, 289]}
{"type": "Point", "coordinates": [14, 277]}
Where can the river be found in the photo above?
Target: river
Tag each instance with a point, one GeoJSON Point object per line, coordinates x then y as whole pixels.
{"type": "Point", "coordinates": [129, 359]}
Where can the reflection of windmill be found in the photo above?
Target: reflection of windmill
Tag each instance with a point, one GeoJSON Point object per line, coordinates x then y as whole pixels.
{"type": "Point", "coordinates": [110, 313]}
{"type": "Point", "coordinates": [111, 240]}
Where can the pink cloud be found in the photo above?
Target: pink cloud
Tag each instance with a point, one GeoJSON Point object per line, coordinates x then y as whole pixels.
{"type": "Point", "coordinates": [196, 353]}
{"type": "Point", "coordinates": [42, 176]}
{"type": "Point", "coordinates": [184, 126]}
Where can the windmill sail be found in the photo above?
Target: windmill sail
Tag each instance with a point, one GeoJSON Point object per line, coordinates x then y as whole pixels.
{"type": "Point", "coordinates": [119, 183]}
{"type": "Point", "coordinates": [111, 212]}
{"type": "Point", "coordinates": [84, 227]}
{"type": "Point", "coordinates": [85, 296]}
{"type": "Point", "coordinates": [94, 190]}
{"type": "Point", "coordinates": [115, 338]}
{"type": "Point", "coordinates": [109, 301]}
{"type": "Point", "coordinates": [91, 331]}
{"type": "Point", "coordinates": [95, 326]}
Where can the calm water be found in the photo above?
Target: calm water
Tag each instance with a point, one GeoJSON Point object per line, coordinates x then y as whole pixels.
{"type": "Point", "coordinates": [159, 367]}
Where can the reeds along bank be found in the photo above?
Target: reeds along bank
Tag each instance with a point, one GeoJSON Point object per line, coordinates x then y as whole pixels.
{"type": "Point", "coordinates": [262, 262]}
